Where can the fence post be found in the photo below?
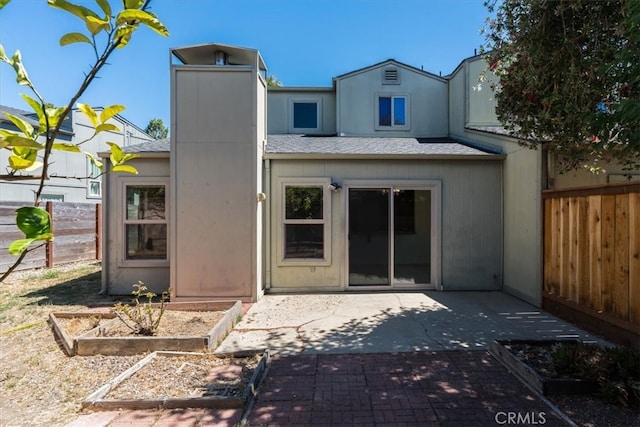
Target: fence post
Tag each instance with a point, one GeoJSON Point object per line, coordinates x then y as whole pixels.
{"type": "Point", "coordinates": [49, 244]}
{"type": "Point", "coordinates": [99, 231]}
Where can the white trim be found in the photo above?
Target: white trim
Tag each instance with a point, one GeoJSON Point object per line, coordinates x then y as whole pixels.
{"type": "Point", "coordinates": [281, 221]}
{"type": "Point", "coordinates": [90, 171]}
{"type": "Point", "coordinates": [123, 183]}
{"type": "Point", "coordinates": [305, 100]}
{"type": "Point", "coordinates": [435, 187]}
{"type": "Point", "coordinates": [407, 111]}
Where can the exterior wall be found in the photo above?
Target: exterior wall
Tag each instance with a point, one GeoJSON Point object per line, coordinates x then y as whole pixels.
{"type": "Point", "coordinates": [611, 173]}
{"type": "Point", "coordinates": [73, 164]}
{"type": "Point", "coordinates": [471, 213]}
{"type": "Point", "coordinates": [215, 151]}
{"type": "Point", "coordinates": [279, 107]}
{"type": "Point", "coordinates": [119, 276]}
{"type": "Point", "coordinates": [356, 103]}
{"type": "Point", "coordinates": [522, 182]}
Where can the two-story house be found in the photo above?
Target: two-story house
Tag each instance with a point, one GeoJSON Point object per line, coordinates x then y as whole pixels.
{"type": "Point", "coordinates": [390, 178]}
{"type": "Point", "coordinates": [73, 178]}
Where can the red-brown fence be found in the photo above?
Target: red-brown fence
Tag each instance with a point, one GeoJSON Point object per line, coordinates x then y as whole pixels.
{"type": "Point", "coordinates": [592, 255]}
{"type": "Point", "coordinates": [77, 231]}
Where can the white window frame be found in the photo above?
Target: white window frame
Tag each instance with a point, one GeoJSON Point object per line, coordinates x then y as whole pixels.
{"type": "Point", "coordinates": [318, 102]}
{"type": "Point", "coordinates": [122, 232]}
{"type": "Point", "coordinates": [90, 172]}
{"type": "Point", "coordinates": [407, 111]}
{"type": "Point", "coordinates": [326, 221]}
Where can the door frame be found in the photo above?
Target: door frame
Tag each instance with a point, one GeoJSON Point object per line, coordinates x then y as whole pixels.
{"type": "Point", "coordinates": [436, 209]}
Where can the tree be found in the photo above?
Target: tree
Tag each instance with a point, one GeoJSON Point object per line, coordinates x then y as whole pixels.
{"type": "Point", "coordinates": [273, 81]}
{"type": "Point", "coordinates": [157, 129]}
{"type": "Point", "coordinates": [568, 77]}
{"type": "Point", "coordinates": [106, 32]}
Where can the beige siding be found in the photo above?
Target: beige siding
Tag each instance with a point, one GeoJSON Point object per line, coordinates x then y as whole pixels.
{"type": "Point", "coordinates": [215, 159]}
{"type": "Point", "coordinates": [471, 213]}
{"type": "Point", "coordinates": [428, 100]}
{"type": "Point", "coordinates": [118, 277]}
{"type": "Point", "coordinates": [279, 107]}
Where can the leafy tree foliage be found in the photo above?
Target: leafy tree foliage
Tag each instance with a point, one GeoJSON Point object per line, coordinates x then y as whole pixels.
{"type": "Point", "coordinates": [568, 76]}
{"type": "Point", "coordinates": [273, 81]}
{"type": "Point", "coordinates": [31, 148]}
{"type": "Point", "coordinates": [157, 129]}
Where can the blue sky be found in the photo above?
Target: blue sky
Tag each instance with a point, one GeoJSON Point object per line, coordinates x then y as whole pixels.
{"type": "Point", "coordinates": [303, 43]}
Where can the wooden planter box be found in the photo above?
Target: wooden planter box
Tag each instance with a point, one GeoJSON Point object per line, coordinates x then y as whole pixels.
{"type": "Point", "coordinates": [90, 343]}
{"type": "Point", "coordinates": [545, 386]}
{"type": "Point", "coordinates": [98, 400]}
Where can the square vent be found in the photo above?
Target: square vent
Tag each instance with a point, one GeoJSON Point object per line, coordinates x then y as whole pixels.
{"type": "Point", "coordinates": [390, 76]}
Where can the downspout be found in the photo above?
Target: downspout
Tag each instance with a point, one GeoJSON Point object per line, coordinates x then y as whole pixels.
{"type": "Point", "coordinates": [267, 220]}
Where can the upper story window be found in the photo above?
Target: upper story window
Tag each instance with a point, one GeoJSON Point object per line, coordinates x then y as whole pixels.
{"type": "Point", "coordinates": [305, 115]}
{"type": "Point", "coordinates": [392, 111]}
{"type": "Point", "coordinates": [94, 182]}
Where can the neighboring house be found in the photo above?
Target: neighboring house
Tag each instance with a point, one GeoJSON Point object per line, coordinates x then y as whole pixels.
{"type": "Point", "coordinates": [78, 188]}
{"type": "Point", "coordinates": [391, 178]}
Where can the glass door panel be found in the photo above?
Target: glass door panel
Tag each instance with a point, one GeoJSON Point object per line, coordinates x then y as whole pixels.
{"type": "Point", "coordinates": [369, 237]}
{"type": "Point", "coordinates": [412, 237]}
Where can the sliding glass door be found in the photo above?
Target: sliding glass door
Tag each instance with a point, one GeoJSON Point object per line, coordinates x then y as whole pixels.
{"type": "Point", "coordinates": [389, 237]}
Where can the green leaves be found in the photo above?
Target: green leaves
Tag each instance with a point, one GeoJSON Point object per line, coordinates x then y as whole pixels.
{"type": "Point", "coordinates": [119, 158]}
{"type": "Point", "coordinates": [135, 16]}
{"type": "Point", "coordinates": [35, 223]}
{"type": "Point", "coordinates": [70, 38]}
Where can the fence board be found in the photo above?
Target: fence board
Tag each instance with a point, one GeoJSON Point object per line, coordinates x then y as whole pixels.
{"type": "Point", "coordinates": [565, 241]}
{"type": "Point", "coordinates": [592, 252]}
{"type": "Point", "coordinates": [582, 245]}
{"type": "Point", "coordinates": [74, 228]}
{"type": "Point", "coordinates": [595, 254]}
{"type": "Point", "coordinates": [621, 257]}
{"type": "Point", "coordinates": [608, 253]}
{"type": "Point", "coordinates": [634, 259]}
{"type": "Point", "coordinates": [548, 252]}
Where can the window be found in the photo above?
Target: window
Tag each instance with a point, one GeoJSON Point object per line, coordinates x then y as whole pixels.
{"type": "Point", "coordinates": [305, 115]}
{"type": "Point", "coordinates": [145, 222]}
{"type": "Point", "coordinates": [392, 111]}
{"type": "Point", "coordinates": [305, 221]}
{"type": "Point", "coordinates": [48, 197]}
{"type": "Point", "coordinates": [94, 182]}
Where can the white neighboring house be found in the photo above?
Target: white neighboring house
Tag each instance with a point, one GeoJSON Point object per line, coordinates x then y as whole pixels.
{"type": "Point", "coordinates": [77, 188]}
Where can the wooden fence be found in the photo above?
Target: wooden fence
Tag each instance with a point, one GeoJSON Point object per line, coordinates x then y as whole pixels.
{"type": "Point", "coordinates": [77, 231]}
{"type": "Point", "coordinates": [592, 253]}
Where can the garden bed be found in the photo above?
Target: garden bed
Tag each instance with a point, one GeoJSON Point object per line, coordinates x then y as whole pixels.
{"type": "Point", "coordinates": [183, 380]}
{"type": "Point", "coordinates": [530, 361]}
{"type": "Point", "coordinates": [189, 327]}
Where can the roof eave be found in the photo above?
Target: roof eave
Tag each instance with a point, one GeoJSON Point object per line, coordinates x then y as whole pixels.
{"type": "Point", "coordinates": [376, 156]}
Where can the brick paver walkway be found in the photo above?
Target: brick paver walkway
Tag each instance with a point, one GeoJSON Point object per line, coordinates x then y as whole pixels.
{"type": "Point", "coordinates": [444, 388]}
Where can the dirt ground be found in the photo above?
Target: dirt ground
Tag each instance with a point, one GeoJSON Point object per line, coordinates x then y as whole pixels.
{"type": "Point", "coordinates": [39, 384]}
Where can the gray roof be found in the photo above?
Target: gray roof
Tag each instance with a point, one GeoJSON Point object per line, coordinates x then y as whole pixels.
{"type": "Point", "coordinates": [24, 115]}
{"type": "Point", "coordinates": [332, 146]}
{"type": "Point", "coordinates": [157, 146]}
{"type": "Point", "coordinates": [370, 146]}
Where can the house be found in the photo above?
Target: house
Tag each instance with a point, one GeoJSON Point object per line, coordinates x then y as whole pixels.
{"type": "Point", "coordinates": [79, 188]}
{"type": "Point", "coordinates": [390, 178]}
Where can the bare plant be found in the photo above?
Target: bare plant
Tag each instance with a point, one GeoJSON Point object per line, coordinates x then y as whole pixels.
{"type": "Point", "coordinates": [141, 316]}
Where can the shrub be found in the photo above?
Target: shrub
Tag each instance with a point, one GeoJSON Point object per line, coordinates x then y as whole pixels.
{"type": "Point", "coordinates": [141, 317]}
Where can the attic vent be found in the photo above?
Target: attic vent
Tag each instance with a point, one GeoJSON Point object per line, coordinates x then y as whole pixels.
{"type": "Point", "coordinates": [391, 76]}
